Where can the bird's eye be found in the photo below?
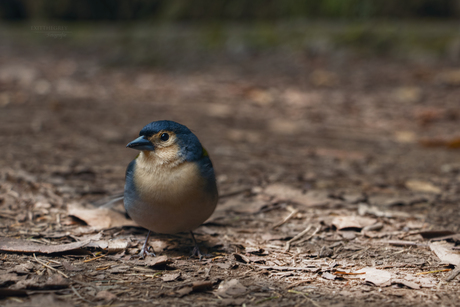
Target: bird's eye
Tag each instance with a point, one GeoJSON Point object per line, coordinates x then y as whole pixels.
{"type": "Point", "coordinates": [164, 136]}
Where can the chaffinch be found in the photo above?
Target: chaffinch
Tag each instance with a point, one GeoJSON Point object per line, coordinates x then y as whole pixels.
{"type": "Point", "coordinates": [170, 186]}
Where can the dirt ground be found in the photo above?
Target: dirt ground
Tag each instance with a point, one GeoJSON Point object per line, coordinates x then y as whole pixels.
{"type": "Point", "coordinates": [337, 175]}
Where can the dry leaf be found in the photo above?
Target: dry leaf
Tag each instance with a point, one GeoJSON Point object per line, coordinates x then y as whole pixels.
{"type": "Point", "coordinates": [6, 278]}
{"type": "Point", "coordinates": [170, 276]}
{"type": "Point", "coordinates": [445, 253]}
{"type": "Point", "coordinates": [329, 276]}
{"type": "Point", "coordinates": [352, 222]}
{"type": "Point", "coordinates": [99, 218]}
{"type": "Point", "coordinates": [24, 268]}
{"type": "Point", "coordinates": [231, 288]}
{"type": "Point", "coordinates": [202, 286]}
{"type": "Point", "coordinates": [379, 278]}
{"type": "Point", "coordinates": [241, 258]}
{"type": "Point", "coordinates": [56, 281]}
{"type": "Point", "coordinates": [112, 246]}
{"type": "Point", "coordinates": [422, 186]}
{"type": "Point", "coordinates": [24, 246]}
{"type": "Point", "coordinates": [184, 291]}
{"type": "Point", "coordinates": [406, 283]}
{"type": "Point", "coordinates": [156, 261]}
{"type": "Point", "coordinates": [431, 234]}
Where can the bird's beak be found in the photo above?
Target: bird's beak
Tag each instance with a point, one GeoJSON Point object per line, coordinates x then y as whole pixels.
{"type": "Point", "coordinates": [141, 143]}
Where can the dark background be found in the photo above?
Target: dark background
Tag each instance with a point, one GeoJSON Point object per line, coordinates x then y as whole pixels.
{"type": "Point", "coordinates": [236, 10]}
{"type": "Point", "coordinates": [337, 109]}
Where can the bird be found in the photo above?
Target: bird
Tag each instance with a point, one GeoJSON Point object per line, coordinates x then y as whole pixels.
{"type": "Point", "coordinates": [170, 187]}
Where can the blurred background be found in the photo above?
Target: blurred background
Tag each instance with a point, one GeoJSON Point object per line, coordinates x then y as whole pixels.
{"type": "Point", "coordinates": [337, 108]}
{"type": "Point", "coordinates": [320, 94]}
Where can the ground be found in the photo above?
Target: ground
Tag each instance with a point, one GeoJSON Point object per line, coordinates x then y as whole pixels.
{"type": "Point", "coordinates": [336, 172]}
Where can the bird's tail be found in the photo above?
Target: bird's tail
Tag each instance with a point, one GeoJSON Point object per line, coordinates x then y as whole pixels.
{"type": "Point", "coordinates": [108, 201]}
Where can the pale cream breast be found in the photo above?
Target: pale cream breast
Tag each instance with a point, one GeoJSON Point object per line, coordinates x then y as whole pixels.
{"type": "Point", "coordinates": [172, 196]}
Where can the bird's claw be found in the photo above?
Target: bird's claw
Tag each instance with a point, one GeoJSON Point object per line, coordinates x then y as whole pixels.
{"type": "Point", "coordinates": [145, 252]}
{"type": "Point", "coordinates": [196, 252]}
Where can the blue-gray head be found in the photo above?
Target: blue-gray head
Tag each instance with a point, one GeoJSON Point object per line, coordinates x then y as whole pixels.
{"type": "Point", "coordinates": [168, 140]}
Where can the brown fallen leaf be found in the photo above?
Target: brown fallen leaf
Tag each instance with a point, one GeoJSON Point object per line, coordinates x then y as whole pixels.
{"type": "Point", "coordinates": [23, 268]}
{"type": "Point", "coordinates": [111, 246]}
{"type": "Point", "coordinates": [352, 222]}
{"type": "Point", "coordinates": [438, 234]}
{"type": "Point", "coordinates": [445, 253]}
{"type": "Point", "coordinates": [202, 285]}
{"type": "Point", "coordinates": [407, 283]}
{"type": "Point", "coordinates": [156, 261]}
{"type": "Point", "coordinates": [453, 274]}
{"type": "Point", "coordinates": [99, 218]}
{"type": "Point", "coordinates": [56, 281]}
{"type": "Point", "coordinates": [8, 278]}
{"type": "Point", "coordinates": [231, 288]}
{"type": "Point", "coordinates": [24, 246]}
{"type": "Point", "coordinates": [170, 276]}
{"type": "Point", "coordinates": [329, 276]}
{"type": "Point", "coordinates": [241, 258]}
{"type": "Point", "coordinates": [184, 291]}
{"type": "Point", "coordinates": [379, 278]}
{"type": "Point", "coordinates": [422, 186]}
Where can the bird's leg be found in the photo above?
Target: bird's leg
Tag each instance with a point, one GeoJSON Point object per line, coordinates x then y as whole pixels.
{"type": "Point", "coordinates": [145, 250]}
{"type": "Point", "coordinates": [196, 249]}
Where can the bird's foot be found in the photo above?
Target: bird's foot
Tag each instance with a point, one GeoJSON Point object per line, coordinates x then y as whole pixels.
{"type": "Point", "coordinates": [145, 251]}
{"type": "Point", "coordinates": [196, 252]}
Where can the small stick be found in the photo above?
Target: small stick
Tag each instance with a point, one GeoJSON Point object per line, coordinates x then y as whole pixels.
{"type": "Point", "coordinates": [298, 236]}
{"type": "Point", "coordinates": [287, 218]}
{"type": "Point", "coordinates": [312, 235]}
{"type": "Point", "coordinates": [453, 274]}
{"type": "Point", "coordinates": [88, 260]}
{"type": "Point", "coordinates": [50, 267]}
{"type": "Point", "coordinates": [433, 272]}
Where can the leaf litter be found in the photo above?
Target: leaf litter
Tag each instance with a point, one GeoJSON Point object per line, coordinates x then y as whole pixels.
{"type": "Point", "coordinates": [342, 205]}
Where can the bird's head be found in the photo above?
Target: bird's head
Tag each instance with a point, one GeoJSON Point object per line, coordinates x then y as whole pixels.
{"type": "Point", "coordinates": [168, 142]}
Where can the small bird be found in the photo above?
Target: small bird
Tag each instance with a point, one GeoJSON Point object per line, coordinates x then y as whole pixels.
{"type": "Point", "coordinates": [170, 186]}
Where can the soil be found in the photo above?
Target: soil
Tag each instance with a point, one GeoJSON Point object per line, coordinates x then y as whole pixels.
{"type": "Point", "coordinates": [357, 156]}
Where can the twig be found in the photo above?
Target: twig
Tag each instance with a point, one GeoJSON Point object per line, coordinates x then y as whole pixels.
{"type": "Point", "coordinates": [312, 235]}
{"type": "Point", "coordinates": [50, 267]}
{"type": "Point", "coordinates": [287, 218]}
{"type": "Point", "coordinates": [88, 260]}
{"type": "Point", "coordinates": [298, 236]}
{"type": "Point", "coordinates": [433, 272]}
{"type": "Point", "coordinates": [453, 274]}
